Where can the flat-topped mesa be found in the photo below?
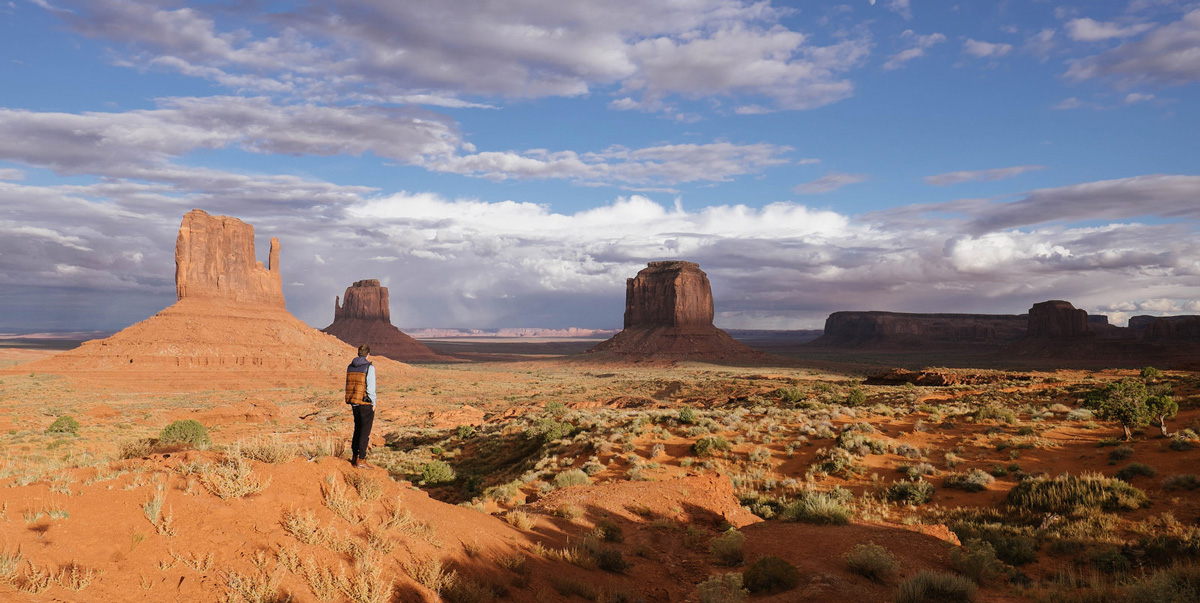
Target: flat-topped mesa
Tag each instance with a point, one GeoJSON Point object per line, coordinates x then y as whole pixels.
{"type": "Point", "coordinates": [214, 259]}
{"type": "Point", "coordinates": [365, 318]}
{"type": "Point", "coordinates": [901, 329]}
{"type": "Point", "coordinates": [365, 299]}
{"type": "Point", "coordinates": [668, 294]}
{"type": "Point", "coordinates": [1057, 319]}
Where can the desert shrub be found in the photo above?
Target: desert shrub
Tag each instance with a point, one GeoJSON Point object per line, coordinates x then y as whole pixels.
{"type": "Point", "coordinates": [1080, 414]}
{"type": "Point", "coordinates": [186, 431]}
{"type": "Point", "coordinates": [1013, 544]}
{"type": "Point", "coordinates": [911, 493]}
{"type": "Point", "coordinates": [593, 467]}
{"type": "Point", "coordinates": [611, 560]}
{"type": "Point", "coordinates": [1187, 481]}
{"type": "Point", "coordinates": [1066, 492]}
{"type": "Point", "coordinates": [770, 574]}
{"type": "Point", "coordinates": [548, 429]}
{"type": "Point", "coordinates": [994, 412]}
{"type": "Point", "coordinates": [437, 472]}
{"type": "Point", "coordinates": [791, 395]}
{"type": "Point", "coordinates": [132, 449]}
{"type": "Point", "coordinates": [687, 415]}
{"type": "Point", "coordinates": [1133, 470]}
{"type": "Point", "coordinates": [233, 478]}
{"type": "Point", "coordinates": [64, 424]}
{"type": "Point", "coordinates": [728, 548]}
{"type": "Point", "coordinates": [1110, 561]}
{"type": "Point", "coordinates": [265, 449]}
{"type": "Point", "coordinates": [977, 560]}
{"type": "Point", "coordinates": [918, 470]}
{"type": "Point", "coordinates": [1120, 453]}
{"type": "Point", "coordinates": [812, 506]}
{"type": "Point", "coordinates": [860, 444]}
{"type": "Point", "coordinates": [1175, 584]}
{"type": "Point", "coordinates": [856, 397]}
{"type": "Point", "coordinates": [971, 481]}
{"type": "Point", "coordinates": [723, 588]}
{"type": "Point", "coordinates": [872, 561]}
{"type": "Point", "coordinates": [759, 455]}
{"type": "Point", "coordinates": [706, 445]}
{"type": "Point", "coordinates": [571, 477]}
{"type": "Point", "coordinates": [1150, 372]}
{"type": "Point", "coordinates": [465, 431]}
{"type": "Point", "coordinates": [837, 461]}
{"type": "Point", "coordinates": [908, 451]}
{"type": "Point", "coordinates": [935, 587]}
{"type": "Point", "coordinates": [608, 531]}
{"type": "Point", "coordinates": [1179, 444]}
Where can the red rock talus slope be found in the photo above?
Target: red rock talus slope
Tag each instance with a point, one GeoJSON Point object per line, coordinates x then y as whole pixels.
{"type": "Point", "coordinates": [229, 325]}
{"type": "Point", "coordinates": [668, 316]}
{"type": "Point", "coordinates": [365, 318]}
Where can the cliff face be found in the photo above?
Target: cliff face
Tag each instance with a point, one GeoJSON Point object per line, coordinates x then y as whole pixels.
{"type": "Point", "coordinates": [214, 259]}
{"type": "Point", "coordinates": [668, 316]}
{"type": "Point", "coordinates": [1057, 319]}
{"type": "Point", "coordinates": [366, 300]}
{"type": "Point", "coordinates": [898, 329]}
{"type": "Point", "coordinates": [365, 318]}
{"type": "Point", "coordinates": [668, 294]}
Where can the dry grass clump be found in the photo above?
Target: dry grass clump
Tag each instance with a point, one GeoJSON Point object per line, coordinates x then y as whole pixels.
{"type": "Point", "coordinates": [303, 526]}
{"type": "Point", "coordinates": [367, 585]}
{"type": "Point", "coordinates": [872, 561]}
{"type": "Point", "coordinates": [971, 481]}
{"type": "Point", "coordinates": [335, 496]}
{"type": "Point", "coordinates": [722, 588]}
{"type": "Point", "coordinates": [520, 519]}
{"type": "Point", "coordinates": [728, 548]}
{"type": "Point", "coordinates": [260, 587]}
{"type": "Point", "coordinates": [195, 561]}
{"type": "Point", "coordinates": [812, 506]}
{"type": "Point", "coordinates": [232, 478]}
{"type": "Point", "coordinates": [929, 586]}
{"type": "Point", "coordinates": [369, 488]}
{"type": "Point", "coordinates": [400, 518]}
{"type": "Point", "coordinates": [1066, 492]}
{"type": "Point", "coordinates": [163, 524]}
{"type": "Point", "coordinates": [432, 574]}
{"type": "Point", "coordinates": [267, 449]}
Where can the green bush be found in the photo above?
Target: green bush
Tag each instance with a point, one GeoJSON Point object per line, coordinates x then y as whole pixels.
{"type": "Point", "coordinates": [1013, 544]}
{"type": "Point", "coordinates": [936, 587]}
{"type": "Point", "coordinates": [437, 472]}
{"type": "Point", "coordinates": [791, 395]}
{"type": "Point", "coordinates": [977, 560]}
{"type": "Point", "coordinates": [64, 424]}
{"type": "Point", "coordinates": [706, 445]}
{"type": "Point", "coordinates": [1150, 373]}
{"type": "Point", "coordinates": [971, 481]}
{"type": "Point", "coordinates": [548, 429]}
{"type": "Point", "coordinates": [1132, 404]}
{"type": "Point", "coordinates": [1120, 453]}
{"type": "Point", "coordinates": [771, 574]}
{"type": "Point", "coordinates": [724, 588]}
{"type": "Point", "coordinates": [571, 477]}
{"type": "Point", "coordinates": [856, 397]}
{"type": "Point", "coordinates": [830, 508]}
{"type": "Point", "coordinates": [466, 432]}
{"type": "Point", "coordinates": [1175, 584]}
{"type": "Point", "coordinates": [609, 531]}
{"type": "Point", "coordinates": [728, 548]}
{"type": "Point", "coordinates": [687, 415]}
{"type": "Point", "coordinates": [611, 560]}
{"type": "Point", "coordinates": [872, 561]}
{"type": "Point", "coordinates": [911, 493]}
{"type": "Point", "coordinates": [1066, 492]}
{"type": "Point", "coordinates": [187, 431]}
{"type": "Point", "coordinates": [1133, 470]}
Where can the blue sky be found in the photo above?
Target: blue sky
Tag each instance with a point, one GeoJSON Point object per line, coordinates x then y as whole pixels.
{"type": "Point", "coordinates": [511, 163]}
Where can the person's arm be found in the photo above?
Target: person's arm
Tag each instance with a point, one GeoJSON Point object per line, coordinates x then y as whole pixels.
{"type": "Point", "coordinates": [371, 384]}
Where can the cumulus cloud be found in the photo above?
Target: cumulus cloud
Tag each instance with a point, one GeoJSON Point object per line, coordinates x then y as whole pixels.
{"type": "Point", "coordinates": [1165, 55]}
{"type": "Point", "coordinates": [980, 175]}
{"type": "Point", "coordinates": [901, 7]}
{"type": "Point", "coordinates": [1088, 30]}
{"type": "Point", "coordinates": [985, 50]}
{"type": "Point", "coordinates": [916, 46]}
{"type": "Point", "coordinates": [829, 182]}
{"type": "Point", "coordinates": [439, 52]}
{"type": "Point", "coordinates": [472, 262]}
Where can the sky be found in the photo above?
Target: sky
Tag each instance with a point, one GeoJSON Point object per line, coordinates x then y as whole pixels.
{"type": "Point", "coordinates": [510, 163]}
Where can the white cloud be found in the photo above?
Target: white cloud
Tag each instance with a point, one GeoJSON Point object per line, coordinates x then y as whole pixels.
{"type": "Point", "coordinates": [1165, 55]}
{"type": "Point", "coordinates": [980, 175]}
{"type": "Point", "coordinates": [917, 45]}
{"type": "Point", "coordinates": [901, 7]}
{"type": "Point", "coordinates": [829, 182]}
{"type": "Point", "coordinates": [11, 174]}
{"type": "Point", "coordinates": [977, 48]}
{"type": "Point", "coordinates": [437, 53]}
{"type": "Point", "coordinates": [1088, 30]}
{"type": "Point", "coordinates": [1069, 103]}
{"type": "Point", "coordinates": [1137, 97]}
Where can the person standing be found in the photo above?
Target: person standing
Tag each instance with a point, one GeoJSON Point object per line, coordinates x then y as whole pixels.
{"type": "Point", "coordinates": [360, 395]}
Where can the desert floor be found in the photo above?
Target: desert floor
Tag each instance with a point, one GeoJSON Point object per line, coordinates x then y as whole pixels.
{"type": "Point", "coordinates": [531, 476]}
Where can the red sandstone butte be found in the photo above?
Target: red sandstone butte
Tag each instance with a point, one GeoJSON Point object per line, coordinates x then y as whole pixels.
{"type": "Point", "coordinates": [228, 326]}
{"type": "Point", "coordinates": [668, 316]}
{"type": "Point", "coordinates": [1057, 319]}
{"type": "Point", "coordinates": [365, 318]}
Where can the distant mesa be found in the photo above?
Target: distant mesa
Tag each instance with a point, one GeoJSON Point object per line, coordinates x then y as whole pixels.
{"type": "Point", "coordinates": [669, 316]}
{"type": "Point", "coordinates": [898, 330]}
{"type": "Point", "coordinates": [365, 318]}
{"type": "Point", "coordinates": [1058, 319]}
{"type": "Point", "coordinates": [228, 325]}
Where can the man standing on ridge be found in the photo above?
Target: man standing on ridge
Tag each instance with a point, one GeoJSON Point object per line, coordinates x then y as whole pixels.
{"type": "Point", "coordinates": [360, 395]}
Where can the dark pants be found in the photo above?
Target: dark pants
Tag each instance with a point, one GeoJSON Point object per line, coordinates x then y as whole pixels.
{"type": "Point", "coordinates": [364, 416]}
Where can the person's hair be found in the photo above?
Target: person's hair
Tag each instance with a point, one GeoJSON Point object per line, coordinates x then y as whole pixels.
{"type": "Point", "coordinates": [363, 350]}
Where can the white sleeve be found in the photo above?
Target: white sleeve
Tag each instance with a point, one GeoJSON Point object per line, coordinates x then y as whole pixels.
{"type": "Point", "coordinates": [371, 384]}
